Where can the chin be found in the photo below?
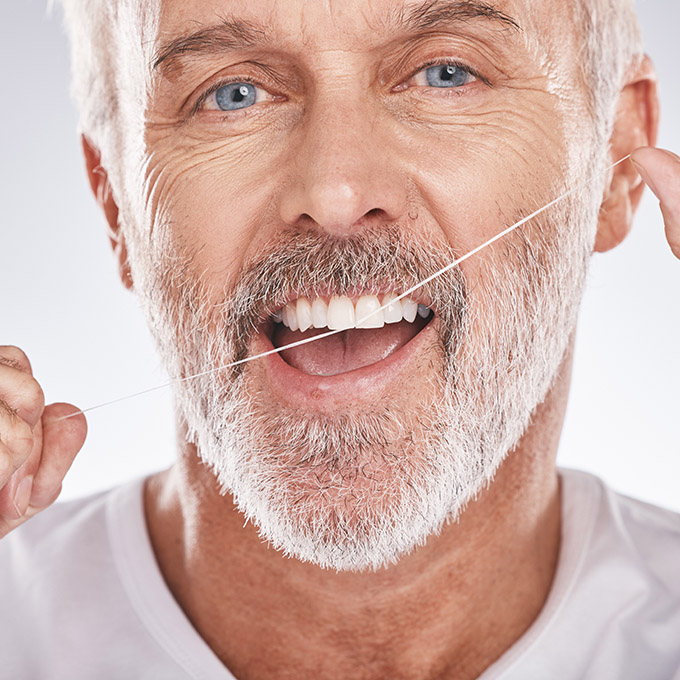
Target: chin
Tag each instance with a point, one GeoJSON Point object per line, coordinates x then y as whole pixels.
{"type": "Point", "coordinates": [352, 491]}
{"type": "Point", "coordinates": [350, 451]}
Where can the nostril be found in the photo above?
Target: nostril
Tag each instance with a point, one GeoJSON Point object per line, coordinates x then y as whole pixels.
{"type": "Point", "coordinates": [375, 212]}
{"type": "Point", "coordinates": [306, 220]}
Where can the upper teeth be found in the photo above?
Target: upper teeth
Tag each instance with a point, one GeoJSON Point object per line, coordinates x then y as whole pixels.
{"type": "Point", "coordinates": [341, 313]}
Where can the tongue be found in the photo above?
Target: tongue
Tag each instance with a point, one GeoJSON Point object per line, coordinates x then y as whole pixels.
{"type": "Point", "coordinates": [345, 351]}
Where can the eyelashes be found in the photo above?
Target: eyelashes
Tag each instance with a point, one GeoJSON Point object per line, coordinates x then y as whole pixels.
{"type": "Point", "coordinates": [454, 68]}
{"type": "Point", "coordinates": [215, 87]}
{"type": "Point", "coordinates": [238, 95]}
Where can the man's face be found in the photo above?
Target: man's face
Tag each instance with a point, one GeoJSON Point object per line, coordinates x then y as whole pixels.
{"type": "Point", "coordinates": [315, 156]}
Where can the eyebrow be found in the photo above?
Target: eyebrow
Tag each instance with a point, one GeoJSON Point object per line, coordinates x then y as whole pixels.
{"type": "Point", "coordinates": [434, 13]}
{"type": "Point", "coordinates": [227, 35]}
{"type": "Point", "coordinates": [235, 34]}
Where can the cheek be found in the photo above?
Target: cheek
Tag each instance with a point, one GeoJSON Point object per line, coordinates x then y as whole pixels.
{"type": "Point", "coordinates": [480, 175]}
{"type": "Point", "coordinates": [211, 203]}
{"type": "Point", "coordinates": [476, 177]}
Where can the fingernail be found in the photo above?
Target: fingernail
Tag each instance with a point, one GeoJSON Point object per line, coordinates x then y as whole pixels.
{"type": "Point", "coordinates": [22, 495]}
{"type": "Point", "coordinates": [645, 177]}
{"type": "Point", "coordinates": [43, 499]}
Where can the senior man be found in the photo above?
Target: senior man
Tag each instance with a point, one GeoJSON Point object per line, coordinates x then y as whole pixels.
{"type": "Point", "coordinates": [383, 502]}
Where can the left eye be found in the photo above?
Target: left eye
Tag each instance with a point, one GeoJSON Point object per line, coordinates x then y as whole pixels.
{"type": "Point", "coordinates": [233, 96]}
{"type": "Point", "coordinates": [444, 75]}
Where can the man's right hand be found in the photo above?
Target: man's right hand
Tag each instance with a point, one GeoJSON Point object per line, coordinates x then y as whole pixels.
{"type": "Point", "coordinates": [35, 451]}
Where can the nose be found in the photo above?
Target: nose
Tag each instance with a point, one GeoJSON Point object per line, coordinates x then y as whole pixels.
{"type": "Point", "coordinates": [345, 175]}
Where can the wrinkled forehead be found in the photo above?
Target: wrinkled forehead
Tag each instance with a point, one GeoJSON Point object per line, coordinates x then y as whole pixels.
{"type": "Point", "coordinates": [354, 24]}
{"type": "Point", "coordinates": [328, 18]}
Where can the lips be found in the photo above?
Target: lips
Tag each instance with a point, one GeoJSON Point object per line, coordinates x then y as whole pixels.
{"type": "Point", "coordinates": [326, 394]}
{"type": "Point", "coordinates": [368, 334]}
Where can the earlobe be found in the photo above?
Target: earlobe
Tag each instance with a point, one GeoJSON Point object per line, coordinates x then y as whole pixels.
{"type": "Point", "coordinates": [101, 188]}
{"type": "Point", "coordinates": [636, 125]}
{"type": "Point", "coordinates": [616, 215]}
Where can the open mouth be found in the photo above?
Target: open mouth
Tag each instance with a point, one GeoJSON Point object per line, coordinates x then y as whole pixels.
{"type": "Point", "coordinates": [367, 334]}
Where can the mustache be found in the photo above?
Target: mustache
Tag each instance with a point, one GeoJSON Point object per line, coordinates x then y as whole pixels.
{"type": "Point", "coordinates": [310, 263]}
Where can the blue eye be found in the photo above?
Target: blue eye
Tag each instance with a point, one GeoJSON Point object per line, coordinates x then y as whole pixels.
{"type": "Point", "coordinates": [235, 96]}
{"type": "Point", "coordinates": [447, 75]}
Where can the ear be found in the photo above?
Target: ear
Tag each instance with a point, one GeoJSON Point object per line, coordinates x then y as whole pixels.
{"type": "Point", "coordinates": [101, 188]}
{"type": "Point", "coordinates": [636, 125]}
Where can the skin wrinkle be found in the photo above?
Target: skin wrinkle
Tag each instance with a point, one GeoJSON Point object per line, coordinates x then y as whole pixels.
{"type": "Point", "coordinates": [358, 48]}
{"type": "Point", "coordinates": [166, 184]}
{"type": "Point", "coordinates": [396, 493]}
{"type": "Point", "coordinates": [228, 35]}
{"type": "Point", "coordinates": [434, 13]}
{"type": "Point", "coordinates": [232, 35]}
{"type": "Point", "coordinates": [592, 26]}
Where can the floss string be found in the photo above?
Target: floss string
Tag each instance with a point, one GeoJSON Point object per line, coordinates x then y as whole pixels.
{"type": "Point", "coordinates": [328, 334]}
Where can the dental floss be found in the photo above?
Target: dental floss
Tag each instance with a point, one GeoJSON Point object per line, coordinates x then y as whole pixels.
{"type": "Point", "coordinates": [406, 293]}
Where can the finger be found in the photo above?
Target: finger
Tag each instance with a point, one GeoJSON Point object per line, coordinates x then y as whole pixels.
{"type": "Point", "coordinates": [15, 494]}
{"type": "Point", "coordinates": [6, 464]}
{"type": "Point", "coordinates": [7, 525]}
{"type": "Point", "coordinates": [18, 440]}
{"type": "Point", "coordinates": [61, 442]}
{"type": "Point", "coordinates": [21, 393]}
{"type": "Point", "coordinates": [661, 172]}
{"type": "Point", "coordinates": [15, 358]}
{"type": "Point", "coordinates": [671, 218]}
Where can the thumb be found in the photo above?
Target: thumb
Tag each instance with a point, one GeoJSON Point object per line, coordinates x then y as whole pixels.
{"type": "Point", "coordinates": [660, 170]}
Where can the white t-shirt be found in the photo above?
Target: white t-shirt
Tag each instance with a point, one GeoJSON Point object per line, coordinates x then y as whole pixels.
{"type": "Point", "coordinates": [81, 597]}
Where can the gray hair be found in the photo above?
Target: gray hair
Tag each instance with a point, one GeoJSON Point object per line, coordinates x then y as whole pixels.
{"type": "Point", "coordinates": [109, 39]}
{"type": "Point", "coordinates": [611, 49]}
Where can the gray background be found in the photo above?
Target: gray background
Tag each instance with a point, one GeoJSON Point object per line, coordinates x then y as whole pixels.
{"type": "Point", "coordinates": [62, 302]}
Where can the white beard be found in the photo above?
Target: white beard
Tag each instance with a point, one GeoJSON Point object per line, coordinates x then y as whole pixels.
{"type": "Point", "coordinates": [360, 490]}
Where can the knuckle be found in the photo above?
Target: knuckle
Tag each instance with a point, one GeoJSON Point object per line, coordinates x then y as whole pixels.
{"type": "Point", "coordinates": [24, 399]}
{"type": "Point", "coordinates": [20, 440]}
{"type": "Point", "coordinates": [6, 466]}
{"type": "Point", "coordinates": [33, 395]}
{"type": "Point", "coordinates": [14, 357]}
{"type": "Point", "coordinates": [9, 412]}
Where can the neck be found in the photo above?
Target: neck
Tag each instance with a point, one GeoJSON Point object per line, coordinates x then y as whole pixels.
{"type": "Point", "coordinates": [449, 609]}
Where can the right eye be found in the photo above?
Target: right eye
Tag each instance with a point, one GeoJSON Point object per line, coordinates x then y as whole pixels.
{"type": "Point", "coordinates": [233, 96]}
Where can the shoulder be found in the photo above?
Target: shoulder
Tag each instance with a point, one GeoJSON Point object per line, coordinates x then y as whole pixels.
{"type": "Point", "coordinates": [46, 547]}
{"type": "Point", "coordinates": [82, 597]}
{"type": "Point", "coordinates": [652, 536]}
{"type": "Point", "coordinates": [60, 536]}
{"type": "Point", "coordinates": [614, 607]}
{"type": "Point", "coordinates": [62, 521]}
{"type": "Point", "coordinates": [55, 563]}
{"type": "Point", "coordinates": [647, 535]}
{"type": "Point", "coordinates": [59, 573]}
{"type": "Point", "coordinates": [626, 576]}
{"type": "Point", "coordinates": [623, 529]}
{"type": "Point", "coordinates": [55, 553]}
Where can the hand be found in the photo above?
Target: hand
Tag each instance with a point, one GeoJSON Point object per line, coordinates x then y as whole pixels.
{"type": "Point", "coordinates": [661, 172]}
{"type": "Point", "coordinates": [35, 451]}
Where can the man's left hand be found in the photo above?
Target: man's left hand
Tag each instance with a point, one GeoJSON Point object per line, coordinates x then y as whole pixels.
{"type": "Point", "coordinates": [661, 172]}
